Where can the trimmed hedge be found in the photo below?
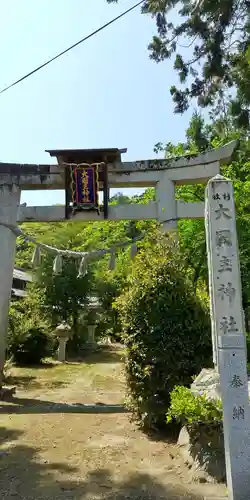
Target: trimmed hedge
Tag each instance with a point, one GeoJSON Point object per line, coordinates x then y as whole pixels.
{"type": "Point", "coordinates": [166, 329]}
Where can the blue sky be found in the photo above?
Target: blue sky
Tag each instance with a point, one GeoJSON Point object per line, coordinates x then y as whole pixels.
{"type": "Point", "coordinates": [104, 93]}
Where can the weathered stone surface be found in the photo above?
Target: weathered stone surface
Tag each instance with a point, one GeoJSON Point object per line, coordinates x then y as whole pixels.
{"type": "Point", "coordinates": [61, 353]}
{"type": "Point", "coordinates": [91, 343]}
{"type": "Point", "coordinates": [208, 383]}
{"type": "Point", "coordinates": [9, 203]}
{"type": "Point", "coordinates": [202, 449]}
{"type": "Point", "coordinates": [227, 321]}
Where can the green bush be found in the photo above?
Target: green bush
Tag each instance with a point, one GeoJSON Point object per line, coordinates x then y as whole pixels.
{"type": "Point", "coordinates": [29, 340]}
{"type": "Point", "coordinates": [30, 347]}
{"type": "Point", "coordinates": [166, 329]}
{"type": "Point", "coordinates": [186, 408]}
{"type": "Point", "coordinates": [203, 421]}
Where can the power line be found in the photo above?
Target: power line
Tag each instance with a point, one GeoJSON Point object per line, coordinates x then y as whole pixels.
{"type": "Point", "coordinates": [72, 46]}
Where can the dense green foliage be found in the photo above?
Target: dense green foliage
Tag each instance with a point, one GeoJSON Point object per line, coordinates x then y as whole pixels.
{"type": "Point", "coordinates": [165, 327]}
{"type": "Point", "coordinates": [201, 137]}
{"type": "Point", "coordinates": [29, 337]}
{"type": "Point", "coordinates": [187, 408]}
{"type": "Point", "coordinates": [65, 296]}
{"type": "Point", "coordinates": [209, 42]}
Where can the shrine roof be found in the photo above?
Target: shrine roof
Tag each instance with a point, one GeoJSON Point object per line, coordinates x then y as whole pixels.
{"type": "Point", "coordinates": [108, 155]}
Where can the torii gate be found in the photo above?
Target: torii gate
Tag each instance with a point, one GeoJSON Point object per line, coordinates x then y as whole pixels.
{"type": "Point", "coordinates": [161, 174]}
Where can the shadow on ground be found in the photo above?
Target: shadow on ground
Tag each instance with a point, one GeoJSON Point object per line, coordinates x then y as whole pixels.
{"type": "Point", "coordinates": [16, 405]}
{"type": "Point", "coordinates": [30, 382]}
{"type": "Point", "coordinates": [24, 476]}
{"type": "Point", "coordinates": [105, 354]}
{"type": "Point", "coordinates": [168, 435]}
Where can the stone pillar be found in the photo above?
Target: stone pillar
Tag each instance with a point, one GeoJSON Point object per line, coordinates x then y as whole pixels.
{"type": "Point", "coordinates": [62, 349]}
{"type": "Point", "coordinates": [228, 330]}
{"type": "Point", "coordinates": [9, 206]}
{"type": "Point", "coordinates": [166, 202]}
{"type": "Point", "coordinates": [91, 342]}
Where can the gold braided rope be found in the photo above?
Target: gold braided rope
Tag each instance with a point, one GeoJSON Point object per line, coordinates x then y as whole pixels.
{"type": "Point", "coordinates": [72, 184]}
{"type": "Point", "coordinates": [85, 165]}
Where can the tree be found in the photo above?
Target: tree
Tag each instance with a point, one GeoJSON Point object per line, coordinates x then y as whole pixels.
{"type": "Point", "coordinates": [65, 296]}
{"type": "Point", "coordinates": [120, 198]}
{"type": "Point", "coordinates": [165, 327]}
{"type": "Point", "coordinates": [192, 232]}
{"type": "Point", "coordinates": [29, 334]}
{"type": "Point", "coordinates": [210, 44]}
{"type": "Point", "coordinates": [109, 286]}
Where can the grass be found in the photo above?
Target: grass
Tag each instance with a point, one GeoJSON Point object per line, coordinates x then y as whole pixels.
{"type": "Point", "coordinates": [52, 374]}
{"type": "Point", "coordinates": [98, 378]}
{"type": "Point", "coordinates": [45, 376]}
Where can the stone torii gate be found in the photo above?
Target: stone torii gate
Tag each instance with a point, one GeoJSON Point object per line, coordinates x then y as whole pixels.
{"type": "Point", "coordinates": [161, 174]}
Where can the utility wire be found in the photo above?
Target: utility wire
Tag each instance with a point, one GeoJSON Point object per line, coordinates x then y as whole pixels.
{"type": "Point", "coordinates": [72, 46]}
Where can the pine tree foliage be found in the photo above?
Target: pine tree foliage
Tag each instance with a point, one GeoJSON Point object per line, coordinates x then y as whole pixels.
{"type": "Point", "coordinates": [209, 43]}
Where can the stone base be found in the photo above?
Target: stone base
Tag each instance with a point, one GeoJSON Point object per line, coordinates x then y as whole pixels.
{"type": "Point", "coordinates": [91, 346]}
{"type": "Point", "coordinates": [7, 392]}
{"type": "Point", "coordinates": [202, 449]}
{"type": "Point", "coordinates": [61, 353]}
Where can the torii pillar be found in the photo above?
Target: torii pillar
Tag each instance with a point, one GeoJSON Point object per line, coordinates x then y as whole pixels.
{"type": "Point", "coordinates": [166, 203]}
{"type": "Point", "coordinates": [9, 206]}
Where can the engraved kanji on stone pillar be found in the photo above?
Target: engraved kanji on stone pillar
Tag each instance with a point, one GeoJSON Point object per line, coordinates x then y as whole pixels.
{"type": "Point", "coordinates": [229, 343]}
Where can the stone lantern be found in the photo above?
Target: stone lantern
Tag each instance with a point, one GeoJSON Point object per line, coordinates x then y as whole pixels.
{"type": "Point", "coordinates": [63, 333]}
{"type": "Point", "coordinates": [93, 308]}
